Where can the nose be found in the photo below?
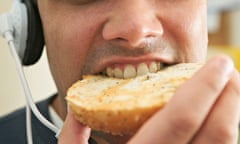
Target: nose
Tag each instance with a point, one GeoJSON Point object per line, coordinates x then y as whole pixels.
{"type": "Point", "coordinates": [132, 22]}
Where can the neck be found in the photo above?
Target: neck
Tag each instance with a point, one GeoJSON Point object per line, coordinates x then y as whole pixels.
{"type": "Point", "coordinates": [60, 106]}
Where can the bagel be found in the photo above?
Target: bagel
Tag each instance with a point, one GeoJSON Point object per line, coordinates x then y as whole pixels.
{"type": "Point", "coordinates": [121, 106]}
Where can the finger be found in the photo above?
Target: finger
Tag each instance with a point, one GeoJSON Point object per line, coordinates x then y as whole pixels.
{"type": "Point", "coordinates": [222, 123]}
{"type": "Point", "coordinates": [184, 114]}
{"type": "Point", "coordinates": [73, 132]}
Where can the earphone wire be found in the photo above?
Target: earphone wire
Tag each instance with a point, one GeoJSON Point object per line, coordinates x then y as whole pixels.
{"type": "Point", "coordinates": [30, 105]}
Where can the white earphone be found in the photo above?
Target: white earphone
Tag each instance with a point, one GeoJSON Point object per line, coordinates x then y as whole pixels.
{"type": "Point", "coordinates": [17, 22]}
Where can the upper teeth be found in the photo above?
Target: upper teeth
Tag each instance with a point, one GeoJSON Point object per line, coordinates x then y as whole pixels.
{"type": "Point", "coordinates": [130, 71]}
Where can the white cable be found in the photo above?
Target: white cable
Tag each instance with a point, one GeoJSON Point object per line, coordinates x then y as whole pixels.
{"type": "Point", "coordinates": [29, 125]}
{"type": "Point", "coordinates": [27, 90]}
{"type": "Point", "coordinates": [6, 30]}
{"type": "Point", "coordinates": [9, 38]}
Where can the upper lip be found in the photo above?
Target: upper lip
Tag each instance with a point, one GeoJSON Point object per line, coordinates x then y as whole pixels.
{"type": "Point", "coordinates": [133, 60]}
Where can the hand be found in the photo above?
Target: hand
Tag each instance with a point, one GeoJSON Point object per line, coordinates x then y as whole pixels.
{"type": "Point", "coordinates": [73, 132]}
{"type": "Point", "coordinates": [205, 110]}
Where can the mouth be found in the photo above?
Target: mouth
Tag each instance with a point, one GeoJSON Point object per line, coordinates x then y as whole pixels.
{"type": "Point", "coordinates": [132, 70]}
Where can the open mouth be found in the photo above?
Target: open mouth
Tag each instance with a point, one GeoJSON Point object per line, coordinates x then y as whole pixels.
{"type": "Point", "coordinates": [125, 71]}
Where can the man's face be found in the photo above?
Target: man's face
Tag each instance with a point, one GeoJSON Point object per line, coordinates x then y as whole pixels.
{"type": "Point", "coordinates": [92, 36]}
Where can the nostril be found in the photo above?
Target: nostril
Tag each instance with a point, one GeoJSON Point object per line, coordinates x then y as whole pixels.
{"type": "Point", "coordinates": [120, 39]}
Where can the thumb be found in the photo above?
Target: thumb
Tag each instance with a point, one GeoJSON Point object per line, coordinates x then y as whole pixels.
{"type": "Point", "coordinates": [73, 132]}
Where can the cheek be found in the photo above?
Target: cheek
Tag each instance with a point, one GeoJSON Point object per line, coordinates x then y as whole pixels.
{"type": "Point", "coordinates": [72, 38]}
{"type": "Point", "coordinates": [67, 48]}
{"type": "Point", "coordinates": [190, 31]}
{"type": "Point", "coordinates": [198, 37]}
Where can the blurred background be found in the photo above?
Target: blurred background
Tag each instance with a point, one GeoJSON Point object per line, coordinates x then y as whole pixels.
{"type": "Point", "coordinates": [224, 37]}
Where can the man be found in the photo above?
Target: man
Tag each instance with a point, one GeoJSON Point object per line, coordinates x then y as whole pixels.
{"type": "Point", "coordinates": [88, 36]}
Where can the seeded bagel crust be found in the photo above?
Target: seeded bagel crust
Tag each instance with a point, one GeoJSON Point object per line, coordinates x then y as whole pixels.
{"type": "Point", "coordinates": [121, 106]}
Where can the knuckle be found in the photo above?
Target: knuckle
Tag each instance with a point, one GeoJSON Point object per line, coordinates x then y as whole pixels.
{"type": "Point", "coordinates": [212, 85]}
{"type": "Point", "coordinates": [183, 125]}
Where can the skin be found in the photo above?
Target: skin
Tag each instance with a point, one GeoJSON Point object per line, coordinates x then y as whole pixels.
{"type": "Point", "coordinates": [86, 36]}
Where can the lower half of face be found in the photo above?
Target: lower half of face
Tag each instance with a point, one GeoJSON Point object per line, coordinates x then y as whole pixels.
{"type": "Point", "coordinates": [118, 36]}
